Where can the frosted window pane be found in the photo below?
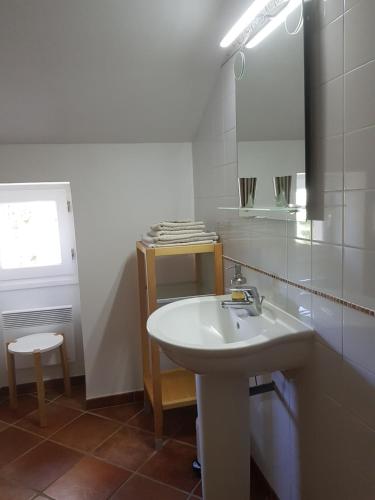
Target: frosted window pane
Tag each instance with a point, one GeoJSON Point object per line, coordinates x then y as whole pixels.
{"type": "Point", "coordinates": [29, 235]}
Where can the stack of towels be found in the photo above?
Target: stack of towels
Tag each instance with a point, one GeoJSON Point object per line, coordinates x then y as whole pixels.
{"type": "Point", "coordinates": [179, 232]}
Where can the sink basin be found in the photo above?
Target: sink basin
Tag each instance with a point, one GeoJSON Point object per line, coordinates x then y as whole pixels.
{"type": "Point", "coordinates": [225, 347]}
{"type": "Point", "coordinates": [203, 337]}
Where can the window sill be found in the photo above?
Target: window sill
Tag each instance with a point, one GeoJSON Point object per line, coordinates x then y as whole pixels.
{"type": "Point", "coordinates": [9, 285]}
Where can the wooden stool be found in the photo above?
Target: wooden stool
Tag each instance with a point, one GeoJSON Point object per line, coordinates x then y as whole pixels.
{"type": "Point", "coordinates": [35, 345]}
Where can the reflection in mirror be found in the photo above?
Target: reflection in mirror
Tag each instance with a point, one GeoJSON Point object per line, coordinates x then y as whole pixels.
{"type": "Point", "coordinates": [270, 106]}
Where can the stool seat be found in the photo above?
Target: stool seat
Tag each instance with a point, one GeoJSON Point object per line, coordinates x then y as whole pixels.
{"type": "Point", "coordinates": [37, 342]}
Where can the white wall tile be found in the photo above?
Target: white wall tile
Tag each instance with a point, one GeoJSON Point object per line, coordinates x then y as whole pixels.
{"type": "Point", "coordinates": [359, 338]}
{"type": "Point", "coordinates": [331, 152]}
{"type": "Point", "coordinates": [359, 219]}
{"type": "Point", "coordinates": [331, 109]}
{"type": "Point", "coordinates": [359, 171]}
{"type": "Point", "coordinates": [349, 4]}
{"type": "Point", "coordinates": [359, 34]}
{"type": "Point", "coordinates": [332, 50]}
{"type": "Point", "coordinates": [359, 393]}
{"type": "Point", "coordinates": [274, 291]}
{"type": "Point", "coordinates": [328, 451]}
{"type": "Point", "coordinates": [359, 98]}
{"type": "Point", "coordinates": [327, 321]}
{"type": "Point", "coordinates": [328, 371]}
{"type": "Point", "coordinates": [327, 268]}
{"type": "Point", "coordinates": [299, 229]}
{"type": "Point", "coordinates": [330, 229]}
{"type": "Point", "coordinates": [299, 261]}
{"type": "Point", "coordinates": [359, 276]}
{"type": "Point", "coordinates": [299, 304]}
{"type": "Point", "coordinates": [359, 446]}
{"type": "Point", "coordinates": [329, 10]}
{"type": "Point", "coordinates": [270, 253]}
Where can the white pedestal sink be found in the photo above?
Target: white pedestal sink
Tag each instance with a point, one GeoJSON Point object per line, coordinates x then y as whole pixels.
{"type": "Point", "coordinates": [225, 347]}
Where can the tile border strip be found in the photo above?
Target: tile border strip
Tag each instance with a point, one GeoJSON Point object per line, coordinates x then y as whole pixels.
{"type": "Point", "coordinates": [332, 298]}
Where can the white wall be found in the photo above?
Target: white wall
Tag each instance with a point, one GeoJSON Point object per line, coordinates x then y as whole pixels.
{"type": "Point", "coordinates": [316, 440]}
{"type": "Point", "coordinates": [118, 190]}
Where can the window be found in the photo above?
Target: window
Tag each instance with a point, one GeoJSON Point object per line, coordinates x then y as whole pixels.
{"type": "Point", "coordinates": [36, 231]}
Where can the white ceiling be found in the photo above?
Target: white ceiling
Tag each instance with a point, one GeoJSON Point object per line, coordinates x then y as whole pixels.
{"type": "Point", "coordinates": [78, 71]}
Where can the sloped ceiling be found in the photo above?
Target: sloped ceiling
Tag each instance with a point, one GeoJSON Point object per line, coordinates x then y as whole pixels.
{"type": "Point", "coordinates": [87, 71]}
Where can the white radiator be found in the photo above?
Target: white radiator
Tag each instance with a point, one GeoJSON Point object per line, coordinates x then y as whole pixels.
{"type": "Point", "coordinates": [58, 319]}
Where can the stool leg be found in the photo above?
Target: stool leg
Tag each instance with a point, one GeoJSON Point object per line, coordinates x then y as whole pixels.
{"type": "Point", "coordinates": [40, 389]}
{"type": "Point", "coordinates": [65, 367]}
{"type": "Point", "coordinates": [11, 379]}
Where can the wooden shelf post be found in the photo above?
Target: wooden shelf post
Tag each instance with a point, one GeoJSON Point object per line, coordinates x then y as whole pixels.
{"type": "Point", "coordinates": [173, 388]}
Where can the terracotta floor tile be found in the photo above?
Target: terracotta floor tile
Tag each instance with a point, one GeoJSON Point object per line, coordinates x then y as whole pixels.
{"type": "Point", "coordinates": [173, 420]}
{"type": "Point", "coordinates": [198, 490]}
{"type": "Point", "coordinates": [41, 466]}
{"type": "Point", "coordinates": [129, 448]}
{"type": "Point", "coordinates": [13, 491]}
{"type": "Point", "coordinates": [14, 442]}
{"type": "Point", "coordinates": [86, 432]}
{"type": "Point", "coordinates": [141, 488]}
{"type": "Point", "coordinates": [77, 400]}
{"type": "Point", "coordinates": [121, 413]}
{"type": "Point", "coordinates": [172, 465]}
{"type": "Point", "coordinates": [187, 432]}
{"type": "Point", "coordinates": [3, 425]}
{"type": "Point", "coordinates": [89, 479]}
{"type": "Point", "coordinates": [26, 404]}
{"type": "Point", "coordinates": [57, 417]}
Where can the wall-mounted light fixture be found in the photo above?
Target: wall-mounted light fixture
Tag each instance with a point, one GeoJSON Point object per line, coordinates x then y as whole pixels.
{"type": "Point", "coordinates": [260, 20]}
{"type": "Point", "coordinates": [274, 23]}
{"type": "Point", "coordinates": [244, 21]}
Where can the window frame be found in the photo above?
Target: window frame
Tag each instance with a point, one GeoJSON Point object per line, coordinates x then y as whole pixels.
{"type": "Point", "coordinates": [37, 275]}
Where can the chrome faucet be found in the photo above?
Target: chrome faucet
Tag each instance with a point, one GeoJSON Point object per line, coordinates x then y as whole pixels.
{"type": "Point", "coordinates": [252, 302]}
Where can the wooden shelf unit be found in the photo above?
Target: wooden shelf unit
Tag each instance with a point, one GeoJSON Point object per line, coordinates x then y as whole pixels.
{"type": "Point", "coordinates": [165, 390]}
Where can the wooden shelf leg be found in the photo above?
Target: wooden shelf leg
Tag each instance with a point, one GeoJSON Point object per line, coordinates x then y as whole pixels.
{"type": "Point", "coordinates": [218, 260]}
{"type": "Point", "coordinates": [157, 395]}
{"type": "Point", "coordinates": [142, 294]}
{"type": "Point", "coordinates": [147, 406]}
{"type": "Point", "coordinates": [12, 379]}
{"type": "Point", "coordinates": [65, 368]}
{"type": "Point", "coordinates": [40, 389]}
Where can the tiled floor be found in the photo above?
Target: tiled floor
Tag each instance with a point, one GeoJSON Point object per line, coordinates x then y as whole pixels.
{"type": "Point", "coordinates": [99, 454]}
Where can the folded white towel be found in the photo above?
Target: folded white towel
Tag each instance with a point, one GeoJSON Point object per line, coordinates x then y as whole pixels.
{"type": "Point", "coordinates": [180, 236]}
{"type": "Point", "coordinates": [178, 225]}
{"type": "Point", "coordinates": [177, 232]}
{"type": "Point", "coordinates": [169, 244]}
{"type": "Point", "coordinates": [173, 241]}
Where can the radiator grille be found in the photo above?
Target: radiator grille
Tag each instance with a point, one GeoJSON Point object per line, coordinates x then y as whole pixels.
{"type": "Point", "coordinates": [37, 317]}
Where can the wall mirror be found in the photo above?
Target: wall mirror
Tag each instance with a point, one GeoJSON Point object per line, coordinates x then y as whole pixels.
{"type": "Point", "coordinates": [270, 107]}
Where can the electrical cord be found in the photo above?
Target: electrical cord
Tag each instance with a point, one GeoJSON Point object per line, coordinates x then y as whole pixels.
{"type": "Point", "coordinates": [299, 25]}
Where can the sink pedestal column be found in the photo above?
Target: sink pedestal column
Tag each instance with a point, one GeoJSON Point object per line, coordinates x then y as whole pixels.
{"type": "Point", "coordinates": [224, 424]}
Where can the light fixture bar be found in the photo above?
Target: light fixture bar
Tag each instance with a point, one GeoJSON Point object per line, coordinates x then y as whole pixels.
{"type": "Point", "coordinates": [255, 8]}
{"type": "Point", "coordinates": [274, 23]}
